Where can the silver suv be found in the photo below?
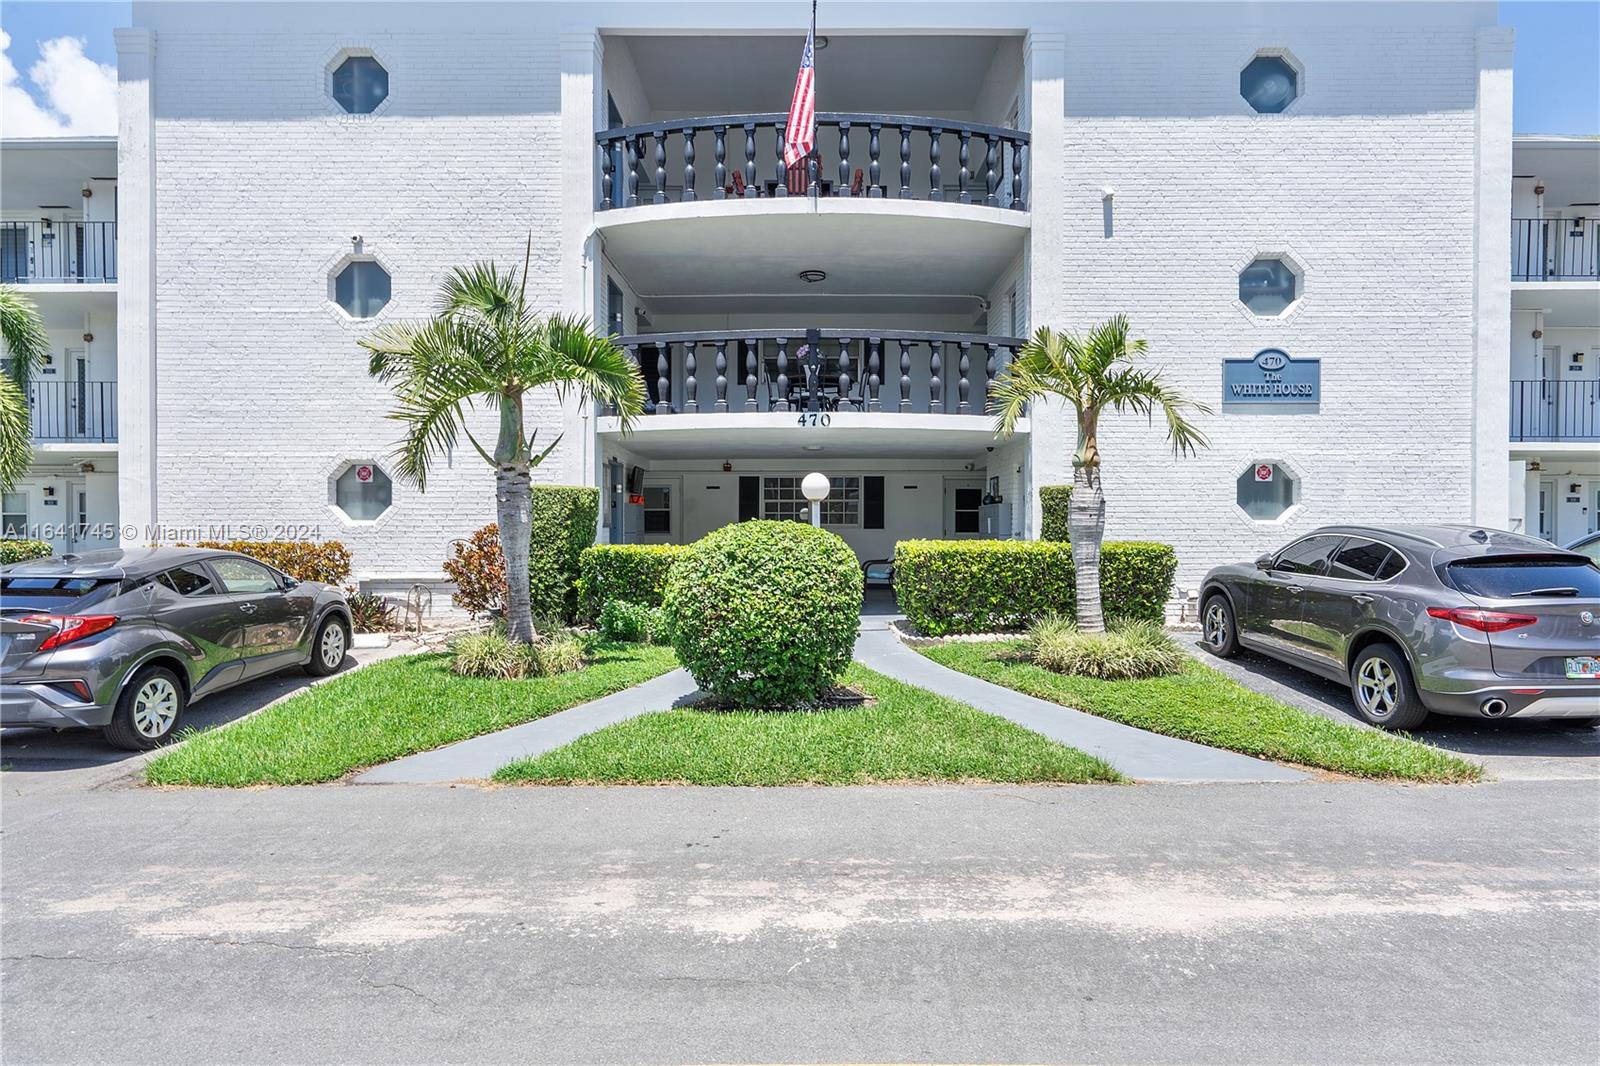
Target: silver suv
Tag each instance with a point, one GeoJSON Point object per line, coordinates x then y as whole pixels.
{"type": "Point", "coordinates": [125, 640]}
{"type": "Point", "coordinates": [1449, 619]}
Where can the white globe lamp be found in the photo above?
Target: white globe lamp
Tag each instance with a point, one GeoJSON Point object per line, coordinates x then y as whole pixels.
{"type": "Point", "coordinates": [815, 488]}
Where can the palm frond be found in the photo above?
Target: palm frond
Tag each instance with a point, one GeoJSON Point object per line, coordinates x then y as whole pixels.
{"type": "Point", "coordinates": [570, 355]}
{"type": "Point", "coordinates": [27, 344]}
{"type": "Point", "coordinates": [16, 424]}
{"type": "Point", "coordinates": [1141, 390]}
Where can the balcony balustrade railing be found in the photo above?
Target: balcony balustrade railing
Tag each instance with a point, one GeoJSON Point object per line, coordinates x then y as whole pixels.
{"type": "Point", "coordinates": [69, 411]}
{"type": "Point", "coordinates": [928, 158]}
{"type": "Point", "coordinates": [819, 370]}
{"type": "Point", "coordinates": [1555, 410]}
{"type": "Point", "coordinates": [1555, 249]}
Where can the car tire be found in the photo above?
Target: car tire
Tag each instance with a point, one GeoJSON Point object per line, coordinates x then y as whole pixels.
{"type": "Point", "coordinates": [328, 647]}
{"type": "Point", "coordinates": [1382, 689]}
{"type": "Point", "coordinates": [148, 711]}
{"type": "Point", "coordinates": [1219, 630]}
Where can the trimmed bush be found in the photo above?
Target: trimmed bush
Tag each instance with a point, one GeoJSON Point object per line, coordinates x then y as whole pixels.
{"type": "Point", "coordinates": [1053, 503]}
{"type": "Point", "coordinates": [1129, 651]}
{"type": "Point", "coordinates": [479, 571]}
{"type": "Point", "coordinates": [765, 614]}
{"type": "Point", "coordinates": [14, 550]}
{"type": "Point", "coordinates": [633, 572]}
{"type": "Point", "coordinates": [327, 561]}
{"type": "Point", "coordinates": [563, 525]}
{"type": "Point", "coordinates": [633, 623]}
{"type": "Point", "coordinates": [983, 586]}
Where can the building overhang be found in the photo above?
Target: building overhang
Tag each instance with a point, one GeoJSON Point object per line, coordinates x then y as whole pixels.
{"type": "Point", "coordinates": [848, 435]}
{"type": "Point", "coordinates": [1566, 304]}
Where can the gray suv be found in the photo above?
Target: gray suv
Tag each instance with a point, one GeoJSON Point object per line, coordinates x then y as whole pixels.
{"type": "Point", "coordinates": [1449, 619]}
{"type": "Point", "coordinates": [124, 640]}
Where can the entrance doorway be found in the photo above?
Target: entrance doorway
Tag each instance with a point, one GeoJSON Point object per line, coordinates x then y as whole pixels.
{"type": "Point", "coordinates": [963, 500]}
{"type": "Point", "coordinates": [663, 502]}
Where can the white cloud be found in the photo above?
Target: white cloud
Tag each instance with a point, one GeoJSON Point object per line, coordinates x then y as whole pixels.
{"type": "Point", "coordinates": [80, 95]}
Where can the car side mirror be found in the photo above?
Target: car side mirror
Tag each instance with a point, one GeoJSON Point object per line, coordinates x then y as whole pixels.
{"type": "Point", "coordinates": [1264, 563]}
{"type": "Point", "coordinates": [290, 583]}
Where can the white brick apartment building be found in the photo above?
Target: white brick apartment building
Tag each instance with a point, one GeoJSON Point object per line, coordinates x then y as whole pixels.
{"type": "Point", "coordinates": [1325, 182]}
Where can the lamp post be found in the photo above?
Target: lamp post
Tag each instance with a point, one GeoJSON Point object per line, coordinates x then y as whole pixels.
{"type": "Point", "coordinates": [815, 488]}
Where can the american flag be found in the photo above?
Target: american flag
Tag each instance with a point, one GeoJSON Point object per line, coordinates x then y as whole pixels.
{"type": "Point", "coordinates": [799, 133]}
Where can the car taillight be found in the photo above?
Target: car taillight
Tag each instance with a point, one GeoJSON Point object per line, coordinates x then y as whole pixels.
{"type": "Point", "coordinates": [71, 627]}
{"type": "Point", "coordinates": [1481, 620]}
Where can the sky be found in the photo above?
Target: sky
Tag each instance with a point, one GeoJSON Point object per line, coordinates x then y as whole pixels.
{"type": "Point", "coordinates": [58, 74]}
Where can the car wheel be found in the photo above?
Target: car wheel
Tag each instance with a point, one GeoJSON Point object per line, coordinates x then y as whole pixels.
{"type": "Point", "coordinates": [328, 647]}
{"type": "Point", "coordinates": [1217, 628]}
{"type": "Point", "coordinates": [148, 711]}
{"type": "Point", "coordinates": [1380, 683]}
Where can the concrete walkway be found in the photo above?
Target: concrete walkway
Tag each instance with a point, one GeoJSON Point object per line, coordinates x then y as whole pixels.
{"type": "Point", "coordinates": [1141, 755]}
{"type": "Point", "coordinates": [480, 757]}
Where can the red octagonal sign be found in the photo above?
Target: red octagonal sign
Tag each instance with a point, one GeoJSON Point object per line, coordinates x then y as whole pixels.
{"type": "Point", "coordinates": [364, 473]}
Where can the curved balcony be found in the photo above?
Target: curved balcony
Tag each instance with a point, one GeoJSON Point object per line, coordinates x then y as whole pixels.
{"type": "Point", "coordinates": [740, 157]}
{"type": "Point", "coordinates": [818, 371]}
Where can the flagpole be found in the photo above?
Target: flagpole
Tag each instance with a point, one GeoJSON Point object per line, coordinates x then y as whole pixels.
{"type": "Point", "coordinates": [812, 168]}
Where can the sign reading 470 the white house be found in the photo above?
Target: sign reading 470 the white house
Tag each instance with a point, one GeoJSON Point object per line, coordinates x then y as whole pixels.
{"type": "Point", "coordinates": [1271, 377]}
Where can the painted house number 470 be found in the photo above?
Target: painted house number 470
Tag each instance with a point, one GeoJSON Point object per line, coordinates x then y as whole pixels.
{"type": "Point", "coordinates": [815, 418]}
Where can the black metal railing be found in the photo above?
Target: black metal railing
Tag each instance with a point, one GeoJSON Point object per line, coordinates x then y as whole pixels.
{"type": "Point", "coordinates": [819, 370]}
{"type": "Point", "coordinates": [1555, 410]}
{"type": "Point", "coordinates": [1555, 249]}
{"type": "Point", "coordinates": [64, 411]}
{"type": "Point", "coordinates": [927, 158]}
{"type": "Point", "coordinates": [58, 252]}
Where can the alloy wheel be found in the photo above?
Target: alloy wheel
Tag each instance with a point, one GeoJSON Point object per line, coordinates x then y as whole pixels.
{"type": "Point", "coordinates": [1377, 688]}
{"type": "Point", "coordinates": [1216, 626]}
{"type": "Point", "coordinates": [155, 708]}
{"type": "Point", "coordinates": [332, 649]}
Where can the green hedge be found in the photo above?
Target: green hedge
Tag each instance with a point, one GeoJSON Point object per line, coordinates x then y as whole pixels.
{"type": "Point", "coordinates": [563, 524]}
{"type": "Point", "coordinates": [633, 572]}
{"type": "Point", "coordinates": [304, 560]}
{"type": "Point", "coordinates": [983, 586]}
{"type": "Point", "coordinates": [1053, 503]}
{"type": "Point", "coordinates": [765, 614]}
{"type": "Point", "coordinates": [14, 550]}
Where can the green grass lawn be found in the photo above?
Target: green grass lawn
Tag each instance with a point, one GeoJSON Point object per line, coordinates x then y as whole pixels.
{"type": "Point", "coordinates": [1202, 705]}
{"type": "Point", "coordinates": [908, 735]}
{"type": "Point", "coordinates": [386, 710]}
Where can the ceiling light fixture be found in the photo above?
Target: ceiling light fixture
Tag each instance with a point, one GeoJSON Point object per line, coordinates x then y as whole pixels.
{"type": "Point", "coordinates": [822, 42]}
{"type": "Point", "coordinates": [811, 277]}
{"type": "Point", "coordinates": [811, 447]}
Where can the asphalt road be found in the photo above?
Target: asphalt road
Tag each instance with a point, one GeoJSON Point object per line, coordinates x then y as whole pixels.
{"type": "Point", "coordinates": [1313, 922]}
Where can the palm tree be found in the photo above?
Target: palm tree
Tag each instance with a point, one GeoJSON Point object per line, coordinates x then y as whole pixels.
{"type": "Point", "coordinates": [486, 344]}
{"type": "Point", "coordinates": [26, 346]}
{"type": "Point", "coordinates": [1092, 372]}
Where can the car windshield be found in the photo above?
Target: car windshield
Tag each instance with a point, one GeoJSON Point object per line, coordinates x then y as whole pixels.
{"type": "Point", "coordinates": [1532, 575]}
{"type": "Point", "coordinates": [31, 595]}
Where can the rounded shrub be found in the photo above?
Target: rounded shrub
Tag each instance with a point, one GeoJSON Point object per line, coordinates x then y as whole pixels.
{"type": "Point", "coordinates": [765, 614]}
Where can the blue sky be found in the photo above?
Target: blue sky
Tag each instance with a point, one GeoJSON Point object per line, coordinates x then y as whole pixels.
{"type": "Point", "coordinates": [1557, 74]}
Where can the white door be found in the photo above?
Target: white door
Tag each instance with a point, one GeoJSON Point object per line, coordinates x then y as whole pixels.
{"type": "Point", "coordinates": [663, 511]}
{"type": "Point", "coordinates": [1547, 511]}
{"type": "Point", "coordinates": [963, 497]}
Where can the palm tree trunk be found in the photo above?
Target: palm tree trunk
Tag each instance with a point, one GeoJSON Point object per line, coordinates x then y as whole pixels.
{"type": "Point", "coordinates": [512, 508]}
{"type": "Point", "coordinates": [1086, 525]}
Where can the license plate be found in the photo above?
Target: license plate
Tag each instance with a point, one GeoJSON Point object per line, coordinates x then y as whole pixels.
{"type": "Point", "coordinates": [1583, 667]}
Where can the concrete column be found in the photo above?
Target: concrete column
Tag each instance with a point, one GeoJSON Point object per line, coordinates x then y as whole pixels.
{"type": "Point", "coordinates": [1053, 436]}
{"type": "Point", "coordinates": [582, 112]}
{"type": "Point", "coordinates": [136, 286]}
{"type": "Point", "coordinates": [1491, 423]}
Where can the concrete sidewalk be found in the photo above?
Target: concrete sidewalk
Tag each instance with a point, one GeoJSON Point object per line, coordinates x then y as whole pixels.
{"type": "Point", "coordinates": [1141, 755]}
{"type": "Point", "coordinates": [480, 757]}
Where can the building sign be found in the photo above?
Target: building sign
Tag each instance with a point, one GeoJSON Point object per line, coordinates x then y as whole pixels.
{"type": "Point", "coordinates": [363, 473]}
{"type": "Point", "coordinates": [1263, 471]}
{"type": "Point", "coordinates": [1271, 377]}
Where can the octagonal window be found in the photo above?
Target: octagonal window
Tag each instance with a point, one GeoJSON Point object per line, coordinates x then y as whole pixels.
{"type": "Point", "coordinates": [363, 492]}
{"type": "Point", "coordinates": [1268, 286]}
{"type": "Point", "coordinates": [1267, 490]}
{"type": "Point", "coordinates": [1269, 84]}
{"type": "Point", "coordinates": [360, 84]}
{"type": "Point", "coordinates": [361, 288]}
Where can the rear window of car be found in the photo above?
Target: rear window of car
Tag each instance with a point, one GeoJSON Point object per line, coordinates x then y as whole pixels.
{"type": "Point", "coordinates": [1531, 575]}
{"type": "Point", "coordinates": [28, 595]}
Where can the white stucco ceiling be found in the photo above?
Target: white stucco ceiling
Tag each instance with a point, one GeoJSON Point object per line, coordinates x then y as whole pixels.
{"type": "Point", "coordinates": [744, 256]}
{"type": "Point", "coordinates": [33, 176]}
{"type": "Point", "coordinates": [1569, 169]}
{"type": "Point", "coordinates": [851, 435]}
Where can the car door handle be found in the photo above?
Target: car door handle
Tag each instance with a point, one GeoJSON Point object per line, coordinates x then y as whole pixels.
{"type": "Point", "coordinates": [1293, 588]}
{"type": "Point", "coordinates": [248, 608]}
{"type": "Point", "coordinates": [1362, 598]}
